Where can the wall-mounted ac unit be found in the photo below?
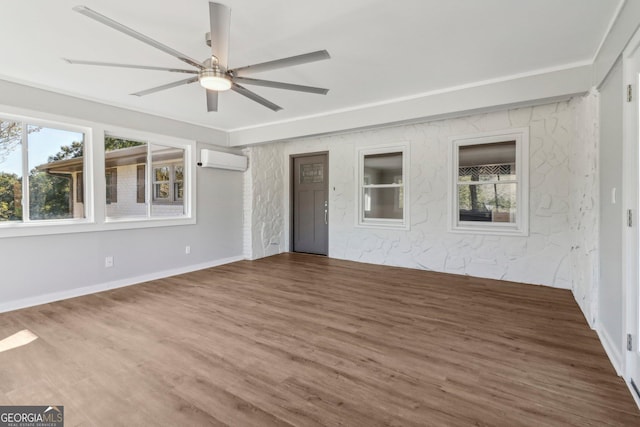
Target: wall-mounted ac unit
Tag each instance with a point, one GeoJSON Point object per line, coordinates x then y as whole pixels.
{"type": "Point", "coordinates": [220, 160]}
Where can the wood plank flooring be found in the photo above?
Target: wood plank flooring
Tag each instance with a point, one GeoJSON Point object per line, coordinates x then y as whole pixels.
{"type": "Point", "coordinates": [304, 340]}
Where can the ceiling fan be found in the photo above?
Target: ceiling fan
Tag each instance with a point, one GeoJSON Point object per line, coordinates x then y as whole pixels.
{"type": "Point", "coordinates": [213, 73]}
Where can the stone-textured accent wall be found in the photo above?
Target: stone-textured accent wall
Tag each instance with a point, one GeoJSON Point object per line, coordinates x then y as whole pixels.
{"type": "Point", "coordinates": [584, 217]}
{"type": "Point", "coordinates": [541, 258]}
{"type": "Point", "coordinates": [264, 201]}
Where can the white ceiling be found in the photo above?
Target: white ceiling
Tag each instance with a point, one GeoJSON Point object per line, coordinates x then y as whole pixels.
{"type": "Point", "coordinates": [381, 50]}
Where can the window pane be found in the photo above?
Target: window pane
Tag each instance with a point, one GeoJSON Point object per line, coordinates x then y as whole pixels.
{"type": "Point", "coordinates": [382, 168]}
{"type": "Point", "coordinates": [487, 202]}
{"type": "Point", "coordinates": [55, 157]}
{"type": "Point", "coordinates": [179, 191]}
{"type": "Point", "coordinates": [312, 173]}
{"type": "Point", "coordinates": [161, 191]}
{"type": "Point", "coordinates": [487, 162]}
{"type": "Point", "coordinates": [10, 171]}
{"type": "Point", "coordinates": [383, 203]}
{"type": "Point", "coordinates": [161, 173]}
{"type": "Point", "coordinates": [178, 183]}
{"type": "Point", "coordinates": [124, 159]}
{"type": "Point", "coordinates": [179, 173]}
{"type": "Point", "coordinates": [168, 163]}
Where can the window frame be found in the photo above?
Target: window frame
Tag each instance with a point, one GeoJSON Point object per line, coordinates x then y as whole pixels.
{"type": "Point", "coordinates": [17, 228]}
{"type": "Point", "coordinates": [521, 226]}
{"type": "Point", "coordinates": [386, 223]}
{"type": "Point", "coordinates": [189, 185]}
{"type": "Point", "coordinates": [94, 179]}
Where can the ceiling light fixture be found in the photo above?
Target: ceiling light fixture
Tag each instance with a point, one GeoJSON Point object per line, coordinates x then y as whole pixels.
{"type": "Point", "coordinates": [214, 79]}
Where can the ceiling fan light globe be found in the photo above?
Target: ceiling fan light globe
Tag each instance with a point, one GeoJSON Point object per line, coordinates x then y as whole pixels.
{"type": "Point", "coordinates": [214, 80]}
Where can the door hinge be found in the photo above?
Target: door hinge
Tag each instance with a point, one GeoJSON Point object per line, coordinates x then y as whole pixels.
{"type": "Point", "coordinates": [629, 342]}
{"type": "Point", "coordinates": [629, 93]}
{"type": "Point", "coordinates": [629, 218]}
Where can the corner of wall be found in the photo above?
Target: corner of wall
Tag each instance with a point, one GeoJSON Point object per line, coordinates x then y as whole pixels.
{"type": "Point", "coordinates": [584, 211]}
{"type": "Point", "coordinates": [247, 207]}
{"type": "Point", "coordinates": [264, 201]}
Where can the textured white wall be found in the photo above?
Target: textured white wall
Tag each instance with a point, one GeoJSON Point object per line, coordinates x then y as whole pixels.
{"type": "Point", "coordinates": [542, 258]}
{"type": "Point", "coordinates": [584, 213]}
{"type": "Point", "coordinates": [264, 201]}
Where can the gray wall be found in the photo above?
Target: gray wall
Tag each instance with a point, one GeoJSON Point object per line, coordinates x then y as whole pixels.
{"type": "Point", "coordinates": [611, 215]}
{"type": "Point", "coordinates": [36, 268]}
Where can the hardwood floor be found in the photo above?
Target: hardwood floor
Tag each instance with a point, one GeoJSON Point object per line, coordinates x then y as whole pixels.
{"type": "Point", "coordinates": [304, 340]}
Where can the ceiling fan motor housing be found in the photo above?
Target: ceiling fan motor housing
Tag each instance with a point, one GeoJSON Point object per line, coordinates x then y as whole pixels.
{"type": "Point", "coordinates": [214, 79]}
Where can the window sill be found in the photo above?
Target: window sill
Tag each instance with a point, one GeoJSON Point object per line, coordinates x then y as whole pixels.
{"type": "Point", "coordinates": [132, 222]}
{"type": "Point", "coordinates": [87, 226]}
{"type": "Point", "coordinates": [383, 224]}
{"type": "Point", "coordinates": [496, 230]}
{"type": "Point", "coordinates": [45, 227]}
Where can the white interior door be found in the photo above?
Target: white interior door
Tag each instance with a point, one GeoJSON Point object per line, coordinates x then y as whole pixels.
{"type": "Point", "coordinates": [632, 252]}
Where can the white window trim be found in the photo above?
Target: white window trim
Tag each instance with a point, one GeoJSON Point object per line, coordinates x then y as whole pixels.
{"type": "Point", "coordinates": [15, 227]}
{"type": "Point", "coordinates": [189, 184]}
{"type": "Point", "coordinates": [395, 224]}
{"type": "Point", "coordinates": [94, 180]}
{"type": "Point", "coordinates": [521, 226]}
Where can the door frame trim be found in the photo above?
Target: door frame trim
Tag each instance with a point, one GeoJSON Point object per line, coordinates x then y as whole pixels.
{"type": "Point", "coordinates": [290, 204]}
{"type": "Point", "coordinates": [630, 183]}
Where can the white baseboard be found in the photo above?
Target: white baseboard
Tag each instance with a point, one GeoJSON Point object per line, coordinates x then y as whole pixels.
{"type": "Point", "coordinates": [635, 396]}
{"type": "Point", "coordinates": [610, 348]}
{"type": "Point", "coordinates": [77, 292]}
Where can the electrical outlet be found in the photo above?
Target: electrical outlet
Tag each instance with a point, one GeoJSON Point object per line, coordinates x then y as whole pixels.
{"type": "Point", "coordinates": [108, 262]}
{"type": "Point", "coordinates": [187, 250]}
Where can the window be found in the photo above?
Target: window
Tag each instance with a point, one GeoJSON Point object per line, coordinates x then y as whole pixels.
{"type": "Point", "coordinates": [178, 183]}
{"type": "Point", "coordinates": [48, 184]}
{"type": "Point", "coordinates": [167, 183]}
{"type": "Point", "coordinates": [382, 187]}
{"type": "Point", "coordinates": [38, 167]}
{"type": "Point", "coordinates": [490, 189]}
{"type": "Point", "coordinates": [161, 183]}
{"type": "Point", "coordinates": [127, 159]}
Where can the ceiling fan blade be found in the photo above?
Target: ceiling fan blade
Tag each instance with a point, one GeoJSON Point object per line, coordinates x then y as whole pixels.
{"type": "Point", "coordinates": [128, 31]}
{"type": "Point", "coordinates": [280, 85]}
{"type": "Point", "coordinates": [141, 67]}
{"type": "Point", "coordinates": [255, 97]}
{"type": "Point", "coordinates": [284, 62]}
{"type": "Point", "coordinates": [212, 100]}
{"type": "Point", "coordinates": [219, 18]}
{"type": "Point", "coordinates": [167, 86]}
